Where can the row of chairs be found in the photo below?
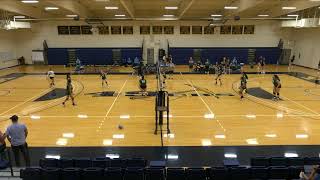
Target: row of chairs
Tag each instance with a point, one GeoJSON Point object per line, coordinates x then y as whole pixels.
{"type": "Point", "coordinates": [213, 173]}
{"type": "Point", "coordinates": [282, 161]}
{"type": "Point", "coordinates": [97, 162]}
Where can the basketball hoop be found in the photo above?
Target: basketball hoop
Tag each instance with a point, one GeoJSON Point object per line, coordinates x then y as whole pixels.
{"type": "Point", "coordinates": [4, 20]}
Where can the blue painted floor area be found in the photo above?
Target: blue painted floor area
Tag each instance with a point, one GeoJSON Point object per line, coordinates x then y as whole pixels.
{"type": "Point", "coordinates": [53, 94]}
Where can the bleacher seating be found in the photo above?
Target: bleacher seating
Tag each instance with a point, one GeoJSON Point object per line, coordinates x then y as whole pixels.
{"type": "Point", "coordinates": [136, 169]}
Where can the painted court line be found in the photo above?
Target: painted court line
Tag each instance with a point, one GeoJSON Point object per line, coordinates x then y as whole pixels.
{"type": "Point", "coordinates": [24, 102]}
{"type": "Point", "coordinates": [203, 102]}
{"type": "Point", "coordinates": [200, 116]}
{"type": "Point", "coordinates": [114, 101]}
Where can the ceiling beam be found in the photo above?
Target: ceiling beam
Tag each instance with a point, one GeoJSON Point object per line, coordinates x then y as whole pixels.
{"type": "Point", "coordinates": [73, 6]}
{"type": "Point", "coordinates": [22, 9]}
{"type": "Point", "coordinates": [243, 5]}
{"type": "Point", "coordinates": [301, 5]}
{"type": "Point", "coordinates": [128, 6]}
{"type": "Point", "coordinates": [184, 7]}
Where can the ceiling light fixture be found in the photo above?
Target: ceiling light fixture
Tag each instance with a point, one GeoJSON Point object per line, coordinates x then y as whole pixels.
{"type": "Point", "coordinates": [19, 17]}
{"type": "Point", "coordinates": [252, 141]}
{"type": "Point", "coordinates": [172, 156]}
{"type": "Point", "coordinates": [107, 142]}
{"type": "Point", "coordinates": [71, 15]}
{"type": "Point", "coordinates": [292, 15]}
{"type": "Point", "coordinates": [231, 7]}
{"type": "Point", "coordinates": [30, 1]}
{"type": "Point", "coordinates": [263, 15]}
{"type": "Point", "coordinates": [216, 15]}
{"type": "Point", "coordinates": [113, 156]}
{"type": "Point", "coordinates": [209, 116]}
{"type": "Point", "coordinates": [51, 8]}
{"type": "Point", "coordinates": [230, 155]}
{"type": "Point", "coordinates": [168, 15]}
{"type": "Point", "coordinates": [289, 8]}
{"type": "Point", "coordinates": [271, 135]}
{"type": "Point", "coordinates": [291, 155]}
{"type": "Point", "coordinates": [302, 136]}
{"type": "Point", "coordinates": [206, 142]}
{"type": "Point", "coordinates": [220, 136]}
{"type": "Point", "coordinates": [119, 15]}
{"type": "Point", "coordinates": [49, 156]}
{"type": "Point", "coordinates": [111, 7]}
{"type": "Point", "coordinates": [171, 7]}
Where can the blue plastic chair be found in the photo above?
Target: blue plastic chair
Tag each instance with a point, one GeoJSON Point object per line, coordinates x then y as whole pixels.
{"type": "Point", "coordinates": [30, 174]}
{"type": "Point", "coordinates": [48, 162]}
{"type": "Point", "coordinates": [278, 161]}
{"type": "Point", "coordinates": [136, 162]}
{"type": "Point", "coordinates": [82, 163]}
{"type": "Point", "coordinates": [113, 174]}
{"type": "Point", "coordinates": [92, 174]}
{"type": "Point", "coordinates": [118, 163]}
{"type": "Point", "coordinates": [219, 173]}
{"type": "Point", "coordinates": [176, 174]}
{"type": "Point", "coordinates": [65, 163]}
{"type": "Point", "coordinates": [278, 173]}
{"type": "Point", "coordinates": [260, 161]}
{"type": "Point", "coordinates": [100, 163]}
{"type": "Point", "coordinates": [195, 173]}
{"type": "Point", "coordinates": [134, 174]}
{"type": "Point", "coordinates": [155, 174]}
{"type": "Point", "coordinates": [70, 174]}
{"type": "Point", "coordinates": [294, 171]}
{"type": "Point", "coordinates": [51, 173]}
{"type": "Point", "coordinates": [240, 173]}
{"type": "Point", "coordinates": [259, 173]}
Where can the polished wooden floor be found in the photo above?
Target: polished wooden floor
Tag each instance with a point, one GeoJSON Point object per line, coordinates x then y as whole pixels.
{"type": "Point", "coordinates": [94, 121]}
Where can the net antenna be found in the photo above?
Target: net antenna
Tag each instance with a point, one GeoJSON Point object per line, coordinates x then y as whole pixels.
{"type": "Point", "coordinates": [160, 85]}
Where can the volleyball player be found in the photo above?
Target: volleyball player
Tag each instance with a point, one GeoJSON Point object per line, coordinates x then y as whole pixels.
{"type": "Point", "coordinates": [69, 91]}
{"type": "Point", "coordinates": [243, 84]}
{"type": "Point", "coordinates": [262, 64]}
{"type": "Point", "coordinates": [143, 86]}
{"type": "Point", "coordinates": [50, 77]}
{"type": "Point", "coordinates": [207, 66]}
{"type": "Point", "coordinates": [291, 63]}
{"type": "Point", "coordinates": [219, 73]}
{"type": "Point", "coordinates": [79, 66]}
{"type": "Point", "coordinates": [276, 87]}
{"type": "Point", "coordinates": [103, 76]}
{"type": "Point", "coordinates": [191, 63]}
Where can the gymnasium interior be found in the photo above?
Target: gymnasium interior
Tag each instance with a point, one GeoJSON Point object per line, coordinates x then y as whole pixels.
{"type": "Point", "coordinates": [159, 89]}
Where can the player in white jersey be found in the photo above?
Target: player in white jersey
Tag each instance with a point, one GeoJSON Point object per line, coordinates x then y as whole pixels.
{"type": "Point", "coordinates": [50, 77]}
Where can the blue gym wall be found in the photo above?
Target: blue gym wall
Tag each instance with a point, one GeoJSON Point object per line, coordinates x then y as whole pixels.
{"type": "Point", "coordinates": [91, 56]}
{"type": "Point", "coordinates": [181, 55]}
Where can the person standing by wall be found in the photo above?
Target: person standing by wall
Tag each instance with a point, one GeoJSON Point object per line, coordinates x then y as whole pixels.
{"type": "Point", "coordinates": [17, 134]}
{"type": "Point", "coordinates": [291, 63]}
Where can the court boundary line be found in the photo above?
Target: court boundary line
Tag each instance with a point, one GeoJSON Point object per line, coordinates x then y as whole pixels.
{"type": "Point", "coordinates": [150, 116]}
{"type": "Point", "coordinates": [187, 80]}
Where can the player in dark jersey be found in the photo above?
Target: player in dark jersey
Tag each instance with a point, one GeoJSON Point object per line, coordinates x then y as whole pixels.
{"type": "Point", "coordinates": [276, 87]}
{"type": "Point", "coordinates": [143, 86]}
{"type": "Point", "coordinates": [69, 91]}
{"type": "Point", "coordinates": [219, 73]}
{"type": "Point", "coordinates": [243, 84]}
{"type": "Point", "coordinates": [262, 64]}
{"type": "Point", "coordinates": [207, 66]}
{"type": "Point", "coordinates": [103, 76]}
